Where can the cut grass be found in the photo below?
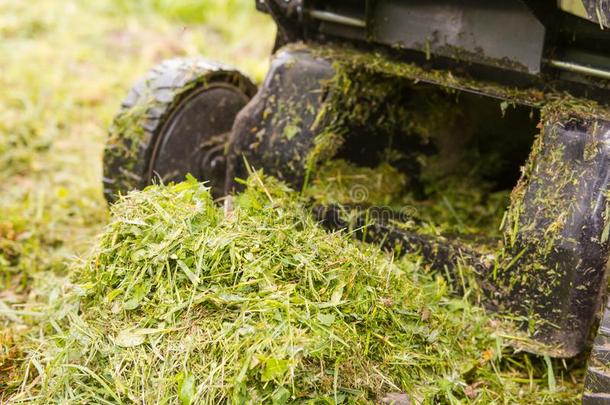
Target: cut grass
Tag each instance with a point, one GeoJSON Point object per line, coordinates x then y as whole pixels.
{"type": "Point", "coordinates": [453, 205]}
{"type": "Point", "coordinates": [182, 301]}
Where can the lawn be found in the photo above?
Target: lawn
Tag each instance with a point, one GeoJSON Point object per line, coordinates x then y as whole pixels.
{"type": "Point", "coordinates": [65, 68]}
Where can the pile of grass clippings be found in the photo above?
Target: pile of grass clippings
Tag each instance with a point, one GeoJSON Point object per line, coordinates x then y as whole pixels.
{"type": "Point", "coordinates": [452, 205]}
{"type": "Point", "coordinates": [184, 301]}
{"type": "Point", "coordinates": [341, 182]}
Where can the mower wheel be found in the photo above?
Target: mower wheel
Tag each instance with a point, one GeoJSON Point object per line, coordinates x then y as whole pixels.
{"type": "Point", "coordinates": [597, 381]}
{"type": "Point", "coordinates": [175, 121]}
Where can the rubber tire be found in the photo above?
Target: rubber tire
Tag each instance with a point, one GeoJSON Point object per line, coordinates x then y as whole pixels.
{"type": "Point", "coordinates": [597, 381]}
{"type": "Point", "coordinates": [142, 116]}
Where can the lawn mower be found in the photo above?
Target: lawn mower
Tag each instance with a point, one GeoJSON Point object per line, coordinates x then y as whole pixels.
{"type": "Point", "coordinates": [516, 91]}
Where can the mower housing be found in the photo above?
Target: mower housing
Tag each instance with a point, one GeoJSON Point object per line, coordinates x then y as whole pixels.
{"type": "Point", "coordinates": [517, 69]}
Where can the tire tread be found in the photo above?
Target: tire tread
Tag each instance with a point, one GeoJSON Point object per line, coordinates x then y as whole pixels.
{"type": "Point", "coordinates": [134, 130]}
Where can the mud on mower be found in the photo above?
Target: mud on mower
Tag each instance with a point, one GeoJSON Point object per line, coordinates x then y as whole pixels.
{"type": "Point", "coordinates": [352, 79]}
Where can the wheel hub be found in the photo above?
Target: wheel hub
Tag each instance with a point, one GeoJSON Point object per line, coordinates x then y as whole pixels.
{"type": "Point", "coordinates": [205, 119]}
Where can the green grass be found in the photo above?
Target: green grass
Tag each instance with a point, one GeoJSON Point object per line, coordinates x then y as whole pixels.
{"type": "Point", "coordinates": [184, 301]}
{"type": "Point", "coordinates": [65, 68]}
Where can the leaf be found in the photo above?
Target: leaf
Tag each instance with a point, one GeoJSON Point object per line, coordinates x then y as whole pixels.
{"type": "Point", "coordinates": [131, 304]}
{"type": "Point", "coordinates": [280, 396]}
{"type": "Point", "coordinates": [192, 276]}
{"type": "Point", "coordinates": [606, 232]}
{"type": "Point", "coordinates": [138, 294]}
{"type": "Point", "coordinates": [274, 369]}
{"type": "Point", "coordinates": [503, 107]}
{"type": "Point", "coordinates": [190, 179]}
{"type": "Point", "coordinates": [550, 374]}
{"type": "Point", "coordinates": [290, 131]}
{"type": "Point", "coordinates": [113, 294]}
{"type": "Point", "coordinates": [335, 299]}
{"type": "Point", "coordinates": [326, 319]}
{"type": "Point", "coordinates": [129, 338]}
{"type": "Point", "coordinates": [186, 390]}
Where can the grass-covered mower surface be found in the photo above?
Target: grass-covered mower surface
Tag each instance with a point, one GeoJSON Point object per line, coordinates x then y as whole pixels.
{"type": "Point", "coordinates": [182, 300]}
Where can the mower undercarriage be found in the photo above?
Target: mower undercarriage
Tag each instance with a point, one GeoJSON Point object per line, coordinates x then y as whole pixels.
{"type": "Point", "coordinates": [551, 265]}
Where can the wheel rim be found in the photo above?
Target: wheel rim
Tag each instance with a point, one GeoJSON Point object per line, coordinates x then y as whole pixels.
{"type": "Point", "coordinates": [194, 136]}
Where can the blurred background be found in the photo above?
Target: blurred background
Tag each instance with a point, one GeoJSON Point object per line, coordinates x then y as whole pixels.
{"type": "Point", "coordinates": [65, 67]}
